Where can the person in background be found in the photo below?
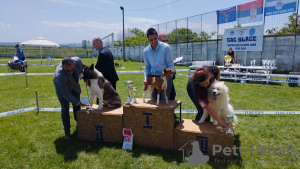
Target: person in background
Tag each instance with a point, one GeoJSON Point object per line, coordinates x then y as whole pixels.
{"type": "Point", "coordinates": [197, 87]}
{"type": "Point", "coordinates": [162, 37]}
{"type": "Point", "coordinates": [105, 63]}
{"type": "Point", "coordinates": [19, 54]}
{"type": "Point", "coordinates": [157, 57]}
{"type": "Point", "coordinates": [231, 53]}
{"type": "Point", "coordinates": [67, 88]}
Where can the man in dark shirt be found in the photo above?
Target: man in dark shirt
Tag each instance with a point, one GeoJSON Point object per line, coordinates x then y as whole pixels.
{"type": "Point", "coordinates": [105, 63]}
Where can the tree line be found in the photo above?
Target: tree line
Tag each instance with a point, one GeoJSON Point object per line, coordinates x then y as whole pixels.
{"type": "Point", "coordinates": [292, 27]}
{"type": "Point", "coordinates": [137, 37]}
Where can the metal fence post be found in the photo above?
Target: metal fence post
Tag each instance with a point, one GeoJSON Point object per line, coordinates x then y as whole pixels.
{"type": "Point", "coordinates": [201, 38]}
{"type": "Point", "coordinates": [140, 53]}
{"type": "Point", "coordinates": [187, 40]}
{"type": "Point", "coordinates": [176, 38]}
{"type": "Point", "coordinates": [295, 39]}
{"type": "Point", "coordinates": [217, 42]}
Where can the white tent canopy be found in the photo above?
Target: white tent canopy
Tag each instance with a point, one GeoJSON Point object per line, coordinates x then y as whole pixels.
{"type": "Point", "coordinates": [39, 41]}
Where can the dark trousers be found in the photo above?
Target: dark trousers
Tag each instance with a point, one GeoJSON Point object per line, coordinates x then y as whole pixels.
{"type": "Point", "coordinates": [65, 115]}
{"type": "Point", "coordinates": [114, 85]}
{"type": "Point", "coordinates": [173, 93]}
{"type": "Point", "coordinates": [193, 96]}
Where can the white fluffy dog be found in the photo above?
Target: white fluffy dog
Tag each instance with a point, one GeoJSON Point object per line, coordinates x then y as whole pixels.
{"type": "Point", "coordinates": [219, 100]}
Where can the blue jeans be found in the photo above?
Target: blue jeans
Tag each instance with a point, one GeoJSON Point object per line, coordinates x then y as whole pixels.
{"type": "Point", "coordinates": [162, 93]}
{"type": "Point", "coordinates": [65, 115]}
{"type": "Point", "coordinates": [15, 61]}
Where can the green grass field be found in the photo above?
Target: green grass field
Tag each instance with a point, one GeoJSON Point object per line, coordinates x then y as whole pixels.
{"type": "Point", "coordinates": [35, 140]}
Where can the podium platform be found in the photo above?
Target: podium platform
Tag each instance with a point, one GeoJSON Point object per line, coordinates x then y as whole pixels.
{"type": "Point", "coordinates": [103, 125]}
{"type": "Point", "coordinates": [151, 125]}
{"type": "Point", "coordinates": [206, 134]}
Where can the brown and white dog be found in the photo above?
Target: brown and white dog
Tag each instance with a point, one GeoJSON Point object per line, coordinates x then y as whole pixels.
{"type": "Point", "coordinates": [160, 83]}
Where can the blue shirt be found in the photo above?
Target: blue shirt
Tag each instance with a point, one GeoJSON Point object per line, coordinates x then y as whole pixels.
{"type": "Point", "coordinates": [20, 53]}
{"type": "Point", "coordinates": [157, 61]}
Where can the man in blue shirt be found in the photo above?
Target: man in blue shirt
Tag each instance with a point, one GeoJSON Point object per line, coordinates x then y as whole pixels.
{"type": "Point", "coordinates": [157, 57]}
{"type": "Point", "coordinates": [20, 53]}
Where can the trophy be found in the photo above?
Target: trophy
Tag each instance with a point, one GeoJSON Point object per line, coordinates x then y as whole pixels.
{"type": "Point", "coordinates": [230, 126]}
{"type": "Point", "coordinates": [85, 100]}
{"type": "Point", "coordinates": [91, 103]}
{"type": "Point", "coordinates": [134, 99]}
{"type": "Point", "coordinates": [128, 87]}
{"type": "Point", "coordinates": [229, 130]}
{"type": "Point", "coordinates": [227, 59]}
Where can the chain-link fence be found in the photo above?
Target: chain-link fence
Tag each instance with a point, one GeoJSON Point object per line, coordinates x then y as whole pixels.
{"type": "Point", "coordinates": [204, 26]}
{"type": "Point", "coordinates": [199, 37]}
{"type": "Point", "coordinates": [279, 47]}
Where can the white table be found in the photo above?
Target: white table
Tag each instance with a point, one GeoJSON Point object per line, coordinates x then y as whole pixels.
{"type": "Point", "coordinates": [268, 71]}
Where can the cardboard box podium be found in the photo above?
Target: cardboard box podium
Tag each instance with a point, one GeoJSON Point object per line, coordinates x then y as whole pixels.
{"type": "Point", "coordinates": [103, 125]}
{"type": "Point", "coordinates": [206, 134]}
{"type": "Point", "coordinates": [151, 125]}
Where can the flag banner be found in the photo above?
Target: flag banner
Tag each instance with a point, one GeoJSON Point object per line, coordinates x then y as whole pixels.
{"type": "Point", "coordinates": [227, 15]}
{"type": "Point", "coordinates": [250, 12]}
{"type": "Point", "coordinates": [248, 38]}
{"type": "Point", "coordinates": [274, 7]}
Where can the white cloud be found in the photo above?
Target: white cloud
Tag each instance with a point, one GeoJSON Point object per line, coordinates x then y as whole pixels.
{"type": "Point", "coordinates": [61, 1]}
{"type": "Point", "coordinates": [135, 20]}
{"type": "Point", "coordinates": [107, 2]}
{"type": "Point", "coordinates": [82, 4]}
{"type": "Point", "coordinates": [91, 28]}
{"type": "Point", "coordinates": [4, 24]}
{"type": "Point", "coordinates": [87, 25]}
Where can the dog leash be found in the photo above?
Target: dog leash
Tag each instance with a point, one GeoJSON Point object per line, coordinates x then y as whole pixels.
{"type": "Point", "coordinates": [87, 91]}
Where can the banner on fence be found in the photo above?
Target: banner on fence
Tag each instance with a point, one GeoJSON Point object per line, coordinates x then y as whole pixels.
{"type": "Point", "coordinates": [244, 111]}
{"type": "Point", "coordinates": [243, 39]}
{"type": "Point", "coordinates": [227, 15]}
{"type": "Point", "coordinates": [175, 111]}
{"type": "Point", "coordinates": [250, 12]}
{"type": "Point", "coordinates": [11, 74]}
{"type": "Point", "coordinates": [274, 7]}
{"type": "Point", "coordinates": [17, 111]}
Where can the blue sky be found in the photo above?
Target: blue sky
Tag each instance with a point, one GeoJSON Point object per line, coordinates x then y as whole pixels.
{"type": "Point", "coordinates": [71, 21]}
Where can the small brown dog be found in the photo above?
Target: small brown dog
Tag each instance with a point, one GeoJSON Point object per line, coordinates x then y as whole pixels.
{"type": "Point", "coordinates": [160, 83]}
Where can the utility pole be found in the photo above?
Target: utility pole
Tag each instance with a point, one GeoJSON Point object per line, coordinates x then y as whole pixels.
{"type": "Point", "coordinates": [122, 8]}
